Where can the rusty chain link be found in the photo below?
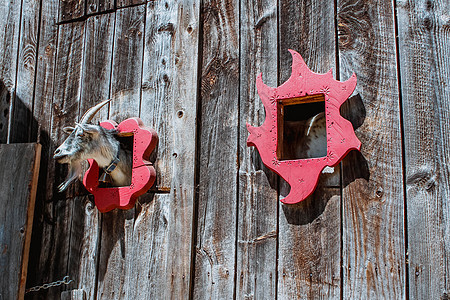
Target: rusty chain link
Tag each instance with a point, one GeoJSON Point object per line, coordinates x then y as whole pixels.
{"type": "Point", "coordinates": [45, 286]}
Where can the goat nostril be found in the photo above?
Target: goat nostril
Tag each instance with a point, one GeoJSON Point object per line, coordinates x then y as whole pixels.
{"type": "Point", "coordinates": [57, 151]}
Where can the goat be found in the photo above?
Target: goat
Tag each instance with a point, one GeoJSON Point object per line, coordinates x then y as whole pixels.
{"type": "Point", "coordinates": [88, 141]}
{"type": "Point", "coordinates": [310, 137]}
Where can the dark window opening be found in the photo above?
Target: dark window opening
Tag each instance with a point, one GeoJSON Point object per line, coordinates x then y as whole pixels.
{"type": "Point", "coordinates": [126, 141]}
{"type": "Point", "coordinates": [302, 128]}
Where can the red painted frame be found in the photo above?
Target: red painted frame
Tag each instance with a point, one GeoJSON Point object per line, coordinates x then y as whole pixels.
{"type": "Point", "coordinates": [143, 172]}
{"type": "Point", "coordinates": [303, 174]}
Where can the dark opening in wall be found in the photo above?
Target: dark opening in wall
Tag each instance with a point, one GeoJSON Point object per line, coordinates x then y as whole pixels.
{"type": "Point", "coordinates": [302, 128]}
{"type": "Point", "coordinates": [126, 144]}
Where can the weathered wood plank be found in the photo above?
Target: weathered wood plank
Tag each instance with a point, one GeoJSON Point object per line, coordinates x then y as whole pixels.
{"type": "Point", "coordinates": [86, 220]}
{"type": "Point", "coordinates": [373, 203]}
{"type": "Point", "coordinates": [21, 118]}
{"type": "Point", "coordinates": [55, 247]}
{"type": "Point", "coordinates": [73, 295]}
{"type": "Point", "coordinates": [117, 248]}
{"type": "Point", "coordinates": [71, 9]}
{"type": "Point", "coordinates": [218, 152]}
{"type": "Point", "coordinates": [17, 202]}
{"type": "Point", "coordinates": [424, 47]}
{"type": "Point", "coordinates": [169, 96]}
{"type": "Point", "coordinates": [42, 112]}
{"type": "Point", "coordinates": [98, 6]}
{"type": "Point", "coordinates": [97, 66]}
{"type": "Point", "coordinates": [9, 40]}
{"type": "Point", "coordinates": [309, 232]}
{"type": "Point", "coordinates": [127, 63]}
{"type": "Point", "coordinates": [258, 200]}
{"type": "Point", "coordinates": [84, 245]}
{"type": "Point", "coordinates": [125, 3]}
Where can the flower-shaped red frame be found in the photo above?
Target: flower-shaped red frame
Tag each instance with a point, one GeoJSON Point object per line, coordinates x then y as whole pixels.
{"type": "Point", "coordinates": [143, 172]}
{"type": "Point", "coordinates": [303, 174]}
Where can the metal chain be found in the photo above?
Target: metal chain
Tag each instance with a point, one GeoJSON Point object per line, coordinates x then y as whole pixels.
{"type": "Point", "coordinates": [45, 286]}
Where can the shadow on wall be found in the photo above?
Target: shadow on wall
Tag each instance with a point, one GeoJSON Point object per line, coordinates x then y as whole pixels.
{"type": "Point", "coordinates": [24, 128]}
{"type": "Point", "coordinates": [312, 207]}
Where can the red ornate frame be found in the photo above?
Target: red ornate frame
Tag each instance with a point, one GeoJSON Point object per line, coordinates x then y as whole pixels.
{"type": "Point", "coordinates": [143, 172]}
{"type": "Point", "coordinates": [303, 174]}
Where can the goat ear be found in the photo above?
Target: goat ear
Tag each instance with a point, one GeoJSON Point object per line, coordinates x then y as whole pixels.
{"type": "Point", "coordinates": [68, 129]}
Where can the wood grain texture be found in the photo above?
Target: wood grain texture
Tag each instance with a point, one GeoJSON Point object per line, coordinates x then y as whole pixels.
{"type": "Point", "coordinates": [125, 3]}
{"type": "Point", "coordinates": [55, 246]}
{"type": "Point", "coordinates": [98, 6]}
{"type": "Point", "coordinates": [71, 9]}
{"type": "Point", "coordinates": [41, 128]}
{"type": "Point", "coordinates": [258, 201]}
{"type": "Point", "coordinates": [73, 295]}
{"type": "Point", "coordinates": [127, 63]}
{"type": "Point", "coordinates": [218, 152]}
{"type": "Point", "coordinates": [9, 43]}
{"type": "Point", "coordinates": [169, 97]}
{"type": "Point", "coordinates": [17, 201]}
{"type": "Point", "coordinates": [96, 77]}
{"type": "Point", "coordinates": [424, 48]}
{"type": "Point", "coordinates": [373, 200]}
{"type": "Point", "coordinates": [21, 119]}
{"type": "Point", "coordinates": [309, 232]}
{"type": "Point", "coordinates": [119, 239]}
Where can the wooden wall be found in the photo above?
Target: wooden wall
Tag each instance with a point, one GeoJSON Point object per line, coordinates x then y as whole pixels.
{"type": "Point", "coordinates": [213, 227]}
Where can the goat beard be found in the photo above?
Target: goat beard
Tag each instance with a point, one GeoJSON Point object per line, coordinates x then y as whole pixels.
{"type": "Point", "coordinates": [74, 172]}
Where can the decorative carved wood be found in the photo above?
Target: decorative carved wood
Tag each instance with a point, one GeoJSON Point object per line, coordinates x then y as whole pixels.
{"type": "Point", "coordinates": [143, 172]}
{"type": "Point", "coordinates": [304, 86]}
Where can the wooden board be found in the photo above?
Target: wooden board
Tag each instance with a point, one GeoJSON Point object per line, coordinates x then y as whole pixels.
{"type": "Point", "coordinates": [373, 200]}
{"type": "Point", "coordinates": [169, 97]}
{"type": "Point", "coordinates": [9, 43]}
{"type": "Point", "coordinates": [218, 152]}
{"type": "Point", "coordinates": [21, 119]}
{"type": "Point", "coordinates": [424, 48]}
{"type": "Point", "coordinates": [17, 202]}
{"type": "Point", "coordinates": [55, 247]}
{"type": "Point", "coordinates": [42, 112]}
{"type": "Point", "coordinates": [85, 228]}
{"type": "Point", "coordinates": [256, 267]}
{"type": "Point", "coordinates": [309, 232]}
{"type": "Point", "coordinates": [125, 3]}
{"type": "Point", "coordinates": [71, 9]}
{"type": "Point", "coordinates": [98, 6]}
{"type": "Point", "coordinates": [116, 257]}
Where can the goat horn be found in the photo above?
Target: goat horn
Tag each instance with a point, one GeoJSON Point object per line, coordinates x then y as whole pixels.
{"type": "Point", "coordinates": [87, 117]}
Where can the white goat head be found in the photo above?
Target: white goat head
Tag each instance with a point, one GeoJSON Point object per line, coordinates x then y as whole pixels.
{"type": "Point", "coordinates": [87, 141]}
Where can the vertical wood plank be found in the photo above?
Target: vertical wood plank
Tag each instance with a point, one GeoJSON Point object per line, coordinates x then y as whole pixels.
{"type": "Point", "coordinates": [17, 201]}
{"type": "Point", "coordinates": [73, 295]}
{"type": "Point", "coordinates": [127, 63]}
{"type": "Point", "coordinates": [86, 221]}
{"type": "Point", "coordinates": [9, 43]}
{"type": "Point", "coordinates": [98, 6]}
{"type": "Point", "coordinates": [21, 119]}
{"type": "Point", "coordinates": [169, 94]}
{"type": "Point", "coordinates": [125, 3]}
{"type": "Point", "coordinates": [258, 201]}
{"type": "Point", "coordinates": [309, 232]}
{"type": "Point", "coordinates": [71, 9]}
{"type": "Point", "coordinates": [55, 247]}
{"type": "Point", "coordinates": [424, 47]}
{"type": "Point", "coordinates": [117, 234]}
{"type": "Point", "coordinates": [373, 211]}
{"type": "Point", "coordinates": [42, 112]}
{"type": "Point", "coordinates": [218, 152]}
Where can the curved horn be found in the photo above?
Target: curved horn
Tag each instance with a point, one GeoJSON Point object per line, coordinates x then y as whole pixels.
{"type": "Point", "coordinates": [87, 117]}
